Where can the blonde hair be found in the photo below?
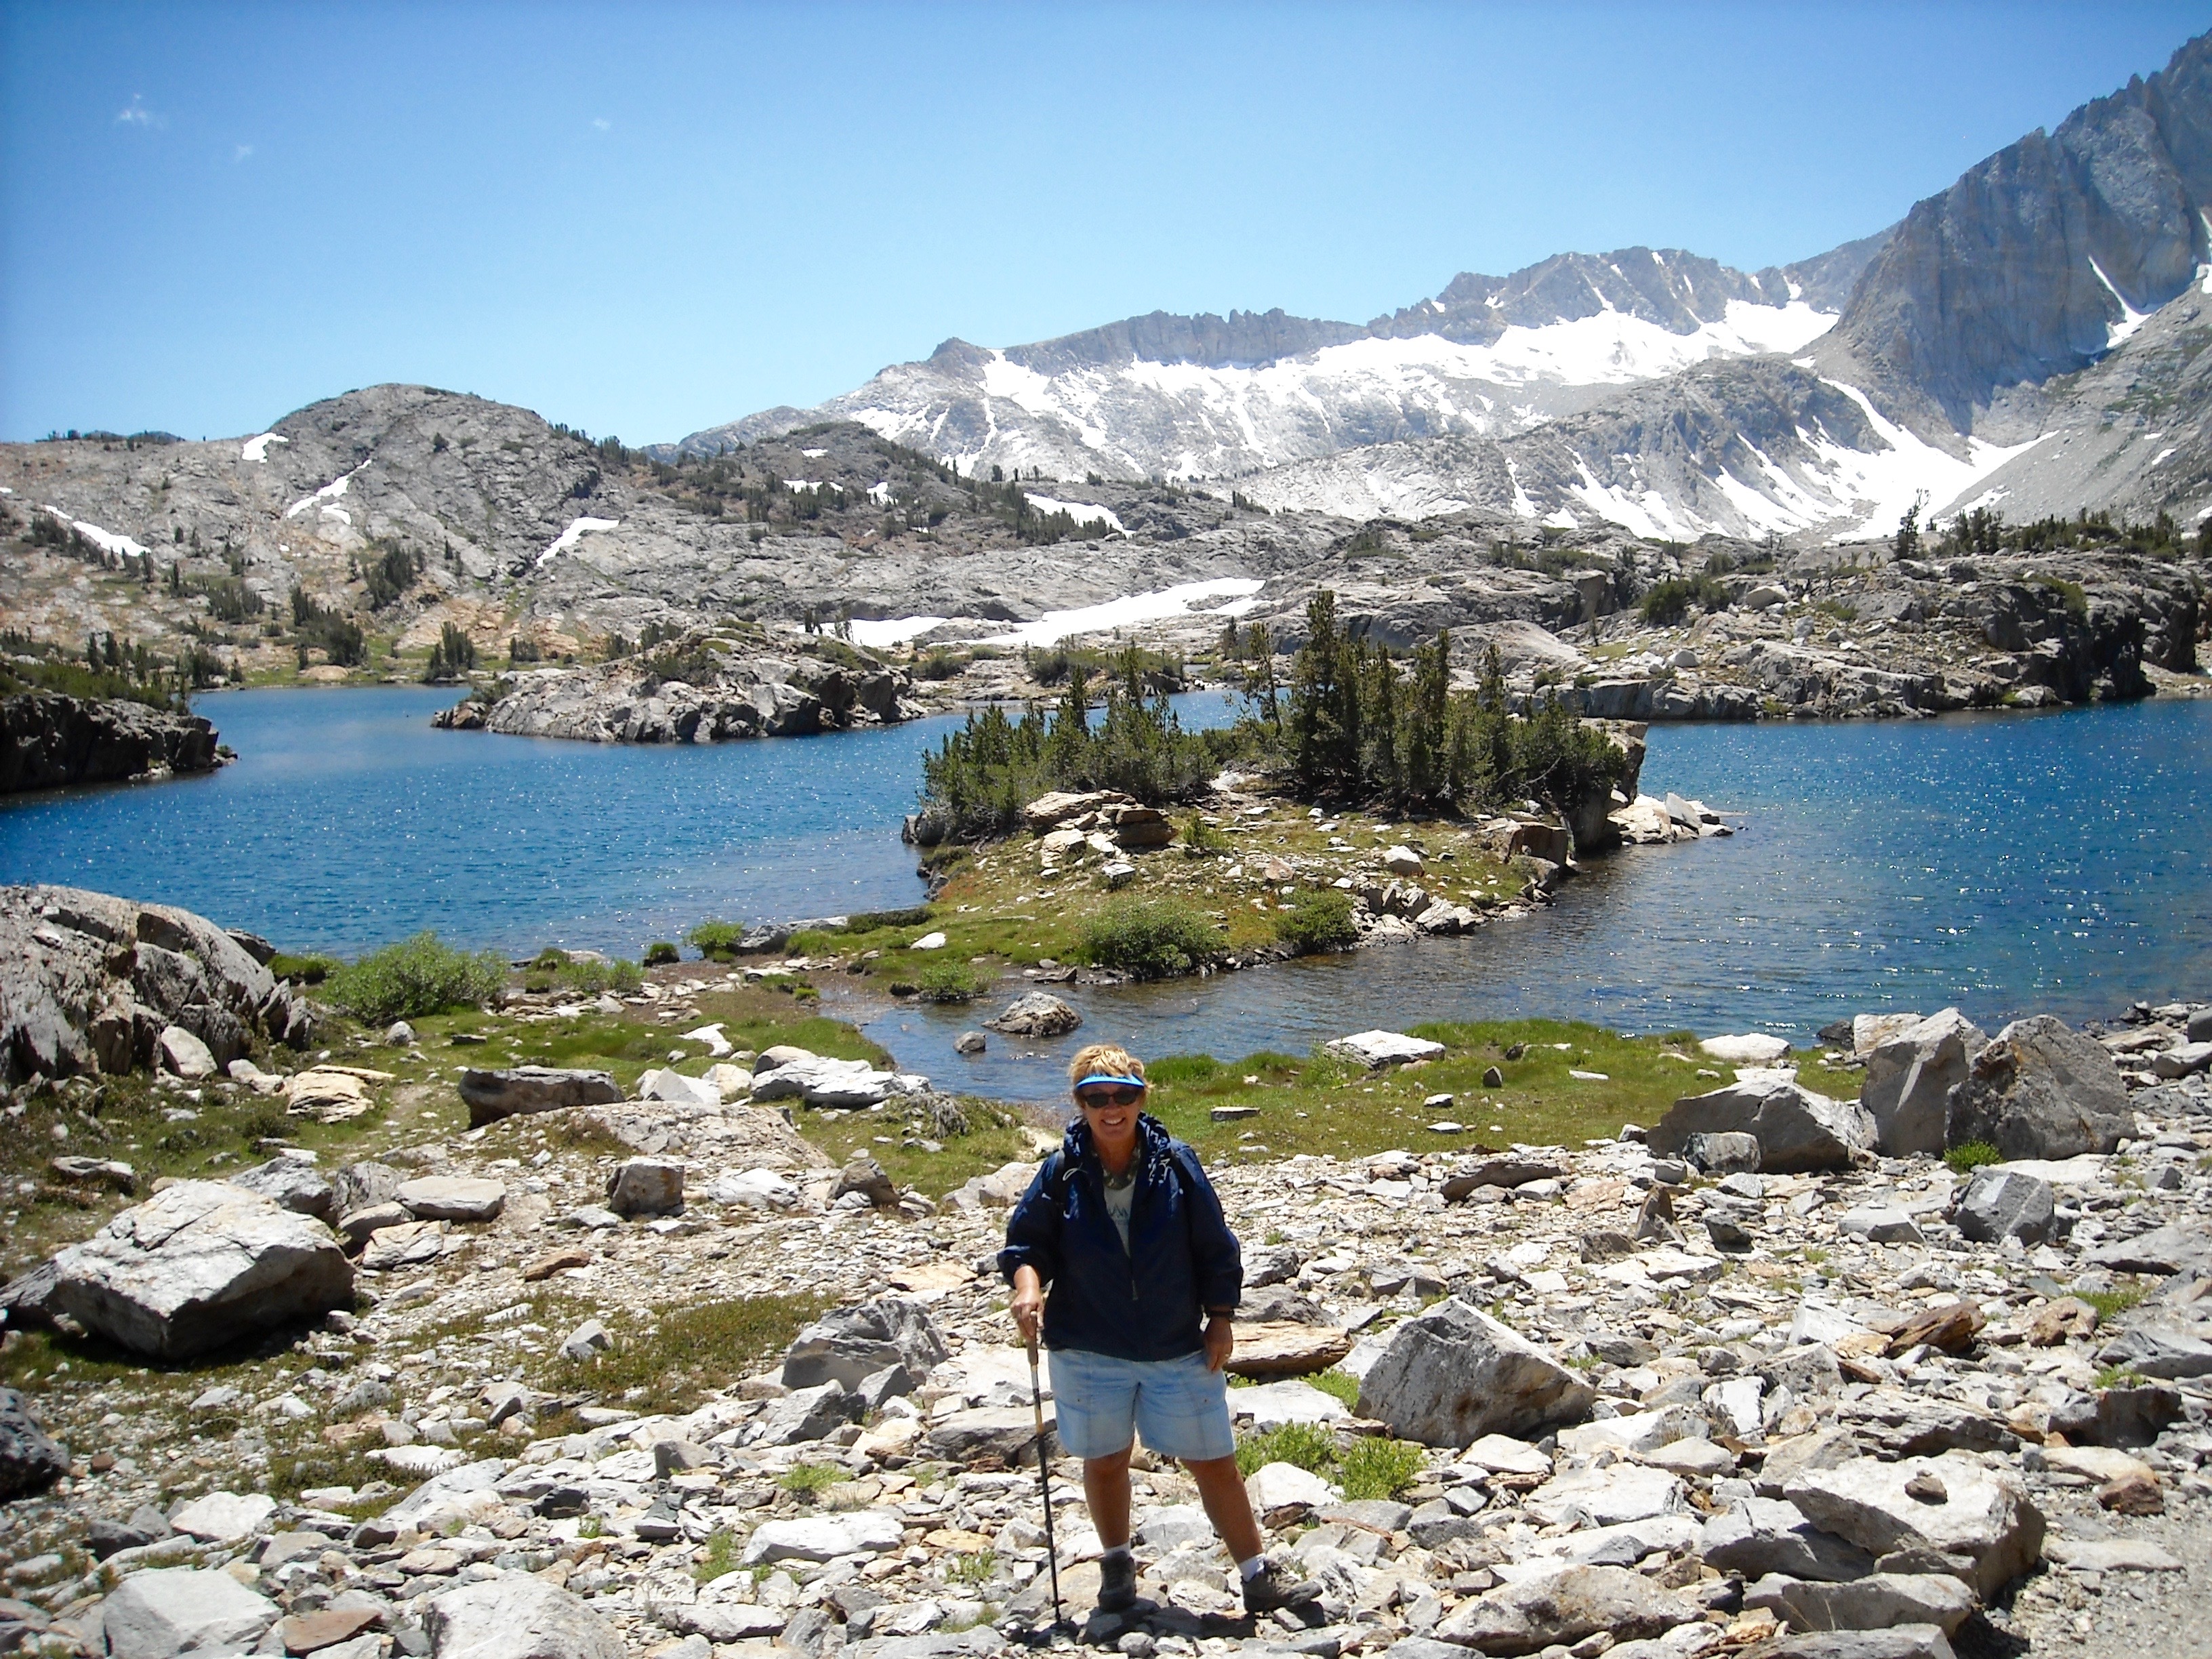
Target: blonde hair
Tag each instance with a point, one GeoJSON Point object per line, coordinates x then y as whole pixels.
{"type": "Point", "coordinates": [1108, 1059]}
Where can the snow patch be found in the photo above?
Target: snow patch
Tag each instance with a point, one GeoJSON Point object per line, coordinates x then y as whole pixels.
{"type": "Point", "coordinates": [812, 483]}
{"type": "Point", "coordinates": [2130, 318]}
{"type": "Point", "coordinates": [108, 541]}
{"type": "Point", "coordinates": [2160, 456]}
{"type": "Point", "coordinates": [256, 448]}
{"type": "Point", "coordinates": [329, 492]}
{"type": "Point", "coordinates": [577, 529]}
{"type": "Point", "coordinates": [1523, 506]}
{"type": "Point", "coordinates": [1081, 511]}
{"type": "Point", "coordinates": [814, 455]}
{"type": "Point", "coordinates": [878, 632]}
{"type": "Point", "coordinates": [880, 494]}
{"type": "Point", "coordinates": [1882, 484]}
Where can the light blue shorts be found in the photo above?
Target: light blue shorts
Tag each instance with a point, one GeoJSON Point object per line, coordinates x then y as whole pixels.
{"type": "Point", "coordinates": [1180, 1407]}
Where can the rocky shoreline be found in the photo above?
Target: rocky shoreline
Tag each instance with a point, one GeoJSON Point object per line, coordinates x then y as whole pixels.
{"type": "Point", "coordinates": [49, 740]}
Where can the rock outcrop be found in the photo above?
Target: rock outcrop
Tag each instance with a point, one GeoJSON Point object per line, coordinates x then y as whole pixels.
{"type": "Point", "coordinates": [48, 739]}
{"type": "Point", "coordinates": [2041, 1089]}
{"type": "Point", "coordinates": [89, 982]}
{"type": "Point", "coordinates": [701, 689]}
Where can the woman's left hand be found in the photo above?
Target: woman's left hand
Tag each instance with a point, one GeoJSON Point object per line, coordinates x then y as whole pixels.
{"type": "Point", "coordinates": [1220, 1341]}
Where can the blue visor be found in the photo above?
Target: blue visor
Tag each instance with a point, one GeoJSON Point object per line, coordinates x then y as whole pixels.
{"type": "Point", "coordinates": [1126, 1082]}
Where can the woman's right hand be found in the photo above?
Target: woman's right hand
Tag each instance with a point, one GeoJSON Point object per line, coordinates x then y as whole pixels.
{"type": "Point", "coordinates": [1028, 1305]}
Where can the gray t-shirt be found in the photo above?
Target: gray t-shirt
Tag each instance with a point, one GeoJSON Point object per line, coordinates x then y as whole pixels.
{"type": "Point", "coordinates": [1121, 1200]}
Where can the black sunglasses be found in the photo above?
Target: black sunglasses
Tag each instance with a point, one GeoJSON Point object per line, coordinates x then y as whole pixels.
{"type": "Point", "coordinates": [1119, 1094]}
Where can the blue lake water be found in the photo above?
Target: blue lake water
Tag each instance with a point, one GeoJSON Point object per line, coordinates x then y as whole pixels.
{"type": "Point", "coordinates": [2009, 864]}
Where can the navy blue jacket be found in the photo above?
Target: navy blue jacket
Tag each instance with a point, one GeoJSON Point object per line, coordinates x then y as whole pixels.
{"type": "Point", "coordinates": [1143, 1302]}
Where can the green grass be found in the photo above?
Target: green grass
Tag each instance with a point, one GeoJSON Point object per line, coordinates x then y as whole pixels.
{"type": "Point", "coordinates": [1333, 1107]}
{"type": "Point", "coordinates": [668, 1358]}
{"type": "Point", "coordinates": [1338, 1385]}
{"type": "Point", "coordinates": [2110, 1304]}
{"type": "Point", "coordinates": [720, 1556]}
{"type": "Point", "coordinates": [974, 1571]}
{"type": "Point", "coordinates": [808, 1481]}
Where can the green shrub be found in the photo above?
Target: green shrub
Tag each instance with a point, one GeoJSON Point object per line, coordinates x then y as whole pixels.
{"type": "Point", "coordinates": [2110, 1304]}
{"type": "Point", "coordinates": [1148, 938]}
{"type": "Point", "coordinates": [946, 980]}
{"type": "Point", "coordinates": [310, 969]}
{"type": "Point", "coordinates": [1200, 839]}
{"type": "Point", "coordinates": [1378, 1468]}
{"type": "Point", "coordinates": [593, 979]}
{"type": "Point", "coordinates": [1668, 602]}
{"type": "Point", "coordinates": [1302, 1443]}
{"type": "Point", "coordinates": [716, 940]}
{"type": "Point", "coordinates": [914, 915]}
{"type": "Point", "coordinates": [1182, 1068]}
{"type": "Point", "coordinates": [660, 953]}
{"type": "Point", "coordinates": [1318, 919]}
{"type": "Point", "coordinates": [1972, 1155]}
{"type": "Point", "coordinates": [415, 977]}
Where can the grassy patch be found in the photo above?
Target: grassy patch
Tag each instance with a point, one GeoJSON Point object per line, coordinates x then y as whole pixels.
{"type": "Point", "coordinates": [808, 1481]}
{"type": "Point", "coordinates": [666, 1359]}
{"type": "Point", "coordinates": [1333, 1107]}
{"type": "Point", "coordinates": [992, 1138]}
{"type": "Point", "coordinates": [1338, 1385]}
{"type": "Point", "coordinates": [2110, 1304]}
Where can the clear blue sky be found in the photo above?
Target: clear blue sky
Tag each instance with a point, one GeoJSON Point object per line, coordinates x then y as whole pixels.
{"type": "Point", "coordinates": [647, 218]}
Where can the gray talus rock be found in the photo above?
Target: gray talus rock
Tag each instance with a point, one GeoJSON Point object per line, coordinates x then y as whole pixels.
{"type": "Point", "coordinates": [293, 1183]}
{"type": "Point", "coordinates": [1977, 1518]}
{"type": "Point", "coordinates": [809, 1413]}
{"type": "Point", "coordinates": [1796, 1129]}
{"type": "Point", "coordinates": [183, 1054]}
{"type": "Point", "coordinates": [358, 1186]}
{"type": "Point", "coordinates": [1756, 1536]}
{"type": "Point", "coordinates": [517, 1617]}
{"type": "Point", "coordinates": [864, 1176]}
{"type": "Point", "coordinates": [1005, 1433]}
{"type": "Point", "coordinates": [1454, 1374]}
{"type": "Point", "coordinates": [1910, 1075]}
{"type": "Point", "coordinates": [199, 1264]}
{"type": "Point", "coordinates": [453, 1198]}
{"type": "Point", "coordinates": [853, 1344]}
{"type": "Point", "coordinates": [1900, 1642]}
{"type": "Point", "coordinates": [93, 982]}
{"type": "Point", "coordinates": [2040, 1089]}
{"type": "Point", "coordinates": [645, 1186]}
{"type": "Point", "coordinates": [1040, 1013]}
{"type": "Point", "coordinates": [1874, 1601]}
{"type": "Point", "coordinates": [1564, 1606]}
{"type": "Point", "coordinates": [29, 1461]}
{"type": "Point", "coordinates": [162, 1612]}
{"type": "Point", "coordinates": [491, 1096]}
{"type": "Point", "coordinates": [2001, 1204]}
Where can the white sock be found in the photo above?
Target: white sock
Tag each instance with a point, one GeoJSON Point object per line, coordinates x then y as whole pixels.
{"type": "Point", "coordinates": [1118, 1549]}
{"type": "Point", "coordinates": [1250, 1569]}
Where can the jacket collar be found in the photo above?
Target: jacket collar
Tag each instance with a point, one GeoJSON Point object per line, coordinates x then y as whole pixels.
{"type": "Point", "coordinates": [1152, 1138]}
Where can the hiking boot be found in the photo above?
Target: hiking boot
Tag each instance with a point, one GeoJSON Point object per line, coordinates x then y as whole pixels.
{"type": "Point", "coordinates": [1273, 1586]}
{"type": "Point", "coordinates": [1117, 1581]}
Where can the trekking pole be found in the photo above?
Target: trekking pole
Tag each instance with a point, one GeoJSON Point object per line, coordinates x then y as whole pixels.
{"type": "Point", "coordinates": [1044, 1484]}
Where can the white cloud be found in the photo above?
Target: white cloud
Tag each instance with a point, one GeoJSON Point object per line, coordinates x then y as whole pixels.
{"type": "Point", "coordinates": [241, 152]}
{"type": "Point", "coordinates": [602, 123]}
{"type": "Point", "coordinates": [137, 115]}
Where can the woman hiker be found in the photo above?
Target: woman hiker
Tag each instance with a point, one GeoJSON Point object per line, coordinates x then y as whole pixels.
{"type": "Point", "coordinates": [1118, 1249]}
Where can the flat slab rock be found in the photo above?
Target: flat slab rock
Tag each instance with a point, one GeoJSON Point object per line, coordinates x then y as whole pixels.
{"type": "Point", "coordinates": [1565, 1606]}
{"type": "Point", "coordinates": [164, 1611]}
{"type": "Point", "coordinates": [518, 1616]}
{"type": "Point", "coordinates": [1384, 1047]}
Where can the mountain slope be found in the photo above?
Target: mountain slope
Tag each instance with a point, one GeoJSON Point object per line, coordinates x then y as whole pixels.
{"type": "Point", "coordinates": [2042, 257]}
{"type": "Point", "coordinates": [1210, 396]}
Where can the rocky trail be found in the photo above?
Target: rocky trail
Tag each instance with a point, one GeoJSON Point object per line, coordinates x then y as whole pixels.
{"type": "Point", "coordinates": [637, 1369]}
